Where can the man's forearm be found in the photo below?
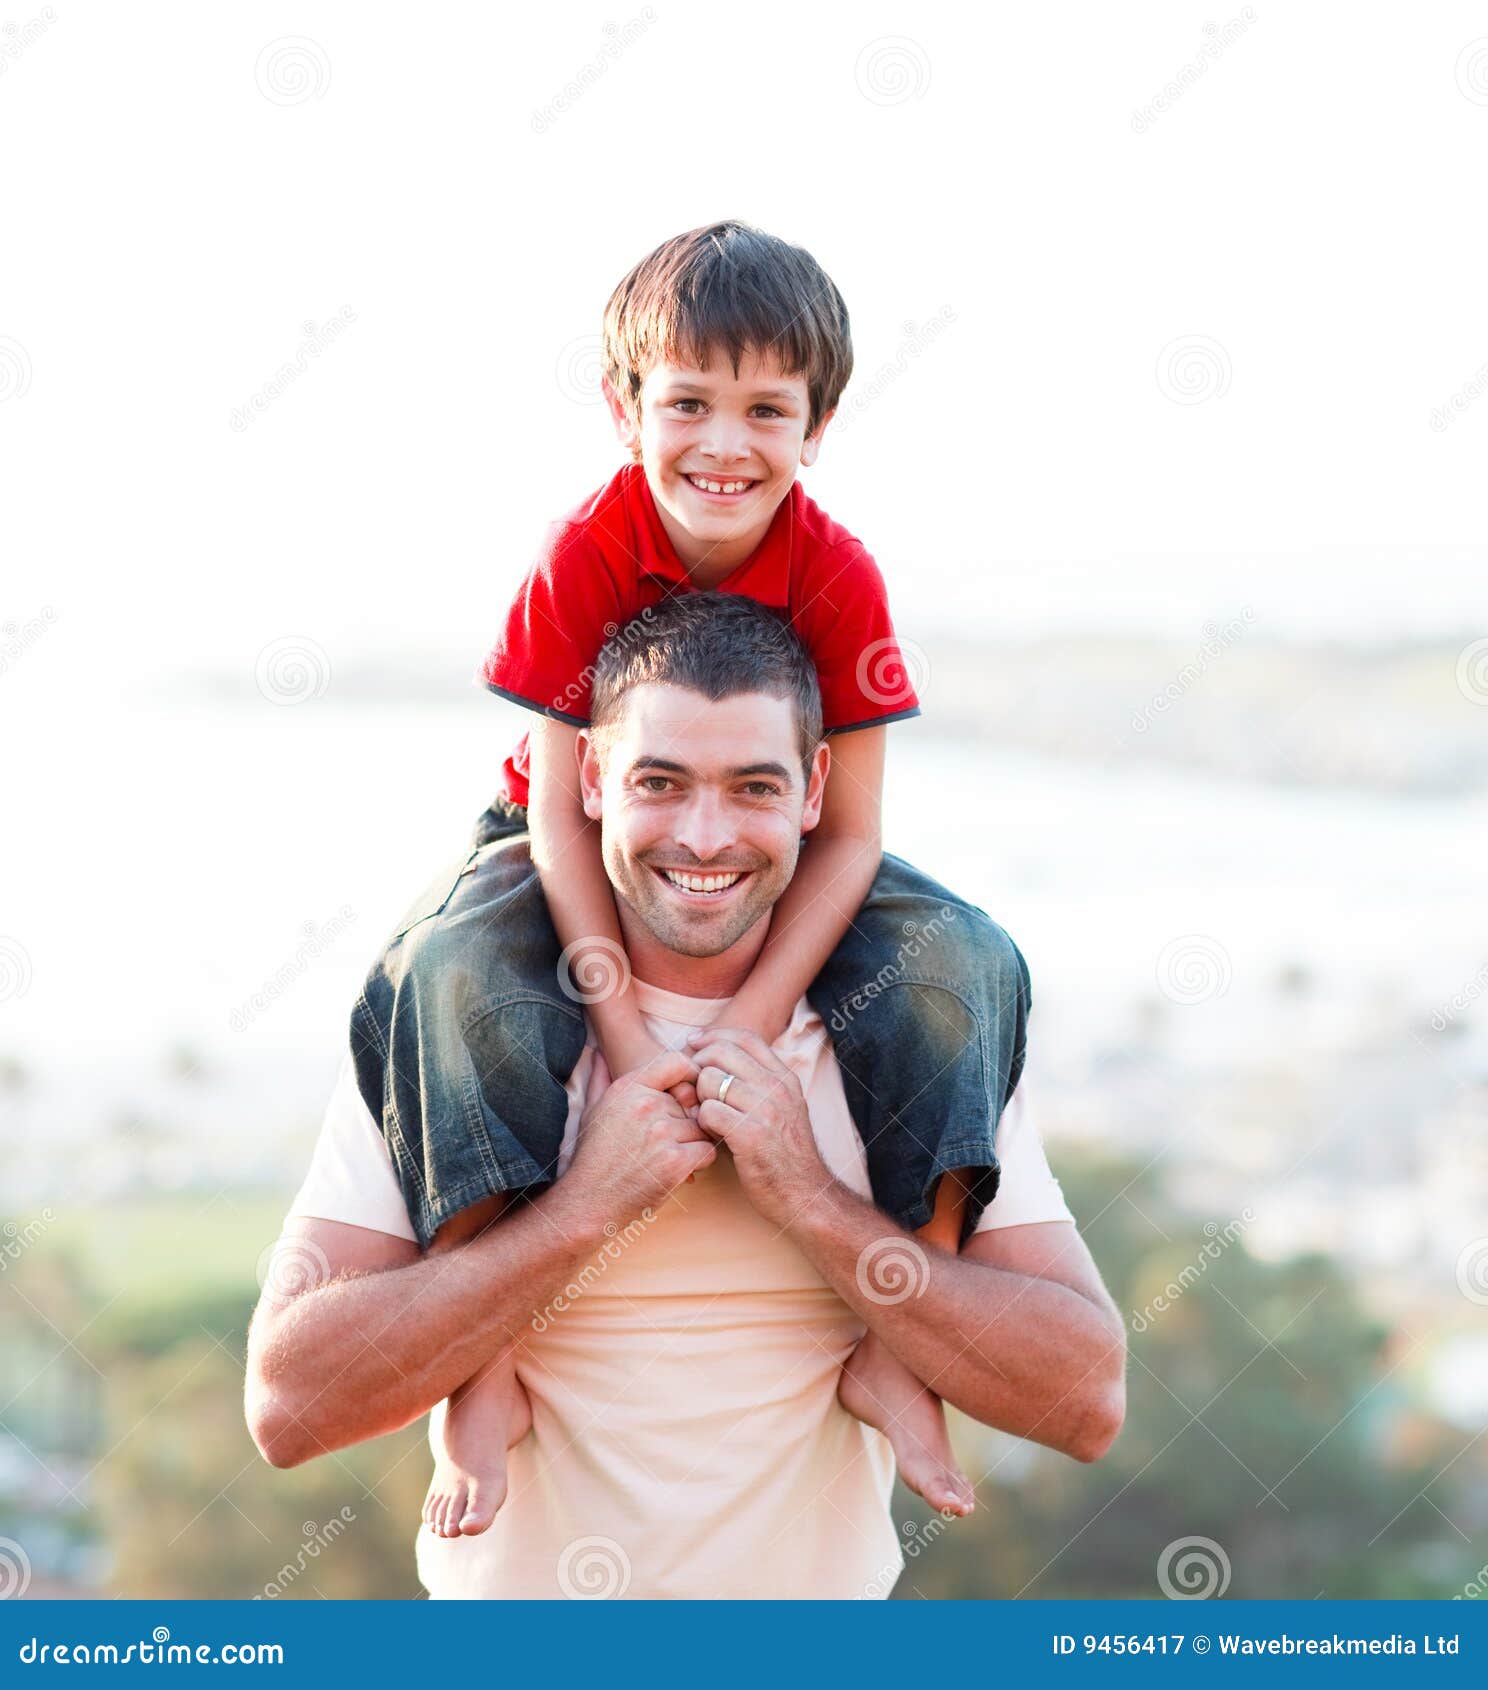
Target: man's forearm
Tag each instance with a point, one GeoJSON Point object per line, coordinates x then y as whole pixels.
{"type": "Point", "coordinates": [367, 1355]}
{"type": "Point", "coordinates": [1026, 1355]}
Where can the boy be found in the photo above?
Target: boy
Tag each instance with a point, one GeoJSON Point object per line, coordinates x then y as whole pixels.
{"type": "Point", "coordinates": [726, 352]}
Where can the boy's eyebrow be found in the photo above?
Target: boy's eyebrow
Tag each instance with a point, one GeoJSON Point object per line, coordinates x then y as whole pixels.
{"type": "Point", "coordinates": [665, 765]}
{"type": "Point", "coordinates": [684, 383]}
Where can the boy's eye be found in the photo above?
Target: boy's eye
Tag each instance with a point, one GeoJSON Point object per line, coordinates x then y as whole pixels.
{"type": "Point", "coordinates": [770, 409]}
{"type": "Point", "coordinates": [677, 405]}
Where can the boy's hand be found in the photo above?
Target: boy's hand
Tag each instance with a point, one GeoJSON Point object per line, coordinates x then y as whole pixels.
{"type": "Point", "coordinates": [633, 1049]}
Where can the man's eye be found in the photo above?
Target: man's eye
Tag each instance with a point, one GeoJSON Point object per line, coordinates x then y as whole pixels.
{"type": "Point", "coordinates": [655, 783]}
{"type": "Point", "coordinates": [760, 789]}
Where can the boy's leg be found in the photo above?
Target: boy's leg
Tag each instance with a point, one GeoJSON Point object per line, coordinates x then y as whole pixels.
{"type": "Point", "coordinates": [475, 1427]}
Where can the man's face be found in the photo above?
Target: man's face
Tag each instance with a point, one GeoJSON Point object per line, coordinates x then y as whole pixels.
{"type": "Point", "coordinates": [720, 452]}
{"type": "Point", "coordinates": [692, 793]}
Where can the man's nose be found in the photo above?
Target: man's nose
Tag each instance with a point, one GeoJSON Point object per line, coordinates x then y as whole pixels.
{"type": "Point", "coordinates": [705, 827]}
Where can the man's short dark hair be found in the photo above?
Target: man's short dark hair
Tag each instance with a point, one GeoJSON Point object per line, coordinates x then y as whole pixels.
{"type": "Point", "coordinates": [734, 287]}
{"type": "Point", "coordinates": [718, 644]}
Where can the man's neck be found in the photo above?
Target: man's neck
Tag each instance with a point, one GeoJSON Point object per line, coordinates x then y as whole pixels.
{"type": "Point", "coordinates": [653, 964]}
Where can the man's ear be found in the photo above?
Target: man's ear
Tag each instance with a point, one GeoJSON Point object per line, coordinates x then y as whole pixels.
{"type": "Point", "coordinates": [811, 445]}
{"type": "Point", "coordinates": [627, 430]}
{"type": "Point", "coordinates": [816, 786]}
{"type": "Point", "coordinates": [591, 781]}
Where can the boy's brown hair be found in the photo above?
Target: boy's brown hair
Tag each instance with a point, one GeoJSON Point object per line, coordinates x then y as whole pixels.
{"type": "Point", "coordinates": [731, 286]}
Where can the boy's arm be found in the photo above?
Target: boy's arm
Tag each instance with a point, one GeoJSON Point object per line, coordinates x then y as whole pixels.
{"type": "Point", "coordinates": [830, 883]}
{"type": "Point", "coordinates": [566, 854]}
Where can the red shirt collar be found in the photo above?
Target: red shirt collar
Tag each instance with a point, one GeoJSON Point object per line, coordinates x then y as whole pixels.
{"type": "Point", "coordinates": [763, 575]}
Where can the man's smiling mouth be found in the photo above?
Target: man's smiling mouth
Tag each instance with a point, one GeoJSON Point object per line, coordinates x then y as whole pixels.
{"type": "Point", "coordinates": [715, 885]}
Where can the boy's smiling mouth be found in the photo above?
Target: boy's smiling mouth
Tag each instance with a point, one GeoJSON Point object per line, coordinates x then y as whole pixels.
{"type": "Point", "coordinates": [714, 487]}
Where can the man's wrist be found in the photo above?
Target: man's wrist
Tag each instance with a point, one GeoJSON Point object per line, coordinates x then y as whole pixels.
{"type": "Point", "coordinates": [578, 1216]}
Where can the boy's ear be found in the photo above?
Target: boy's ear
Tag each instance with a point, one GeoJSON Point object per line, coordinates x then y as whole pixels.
{"type": "Point", "coordinates": [591, 783]}
{"type": "Point", "coordinates": [816, 786]}
{"type": "Point", "coordinates": [811, 445]}
{"type": "Point", "coordinates": [626, 429]}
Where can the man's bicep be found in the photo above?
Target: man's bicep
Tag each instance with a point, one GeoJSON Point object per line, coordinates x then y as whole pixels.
{"type": "Point", "coordinates": [1044, 1250]}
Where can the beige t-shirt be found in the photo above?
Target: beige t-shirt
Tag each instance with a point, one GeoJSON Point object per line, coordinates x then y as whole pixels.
{"type": "Point", "coordinates": [686, 1440]}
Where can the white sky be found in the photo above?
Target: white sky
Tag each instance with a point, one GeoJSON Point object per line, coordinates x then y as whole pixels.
{"type": "Point", "coordinates": [1312, 204]}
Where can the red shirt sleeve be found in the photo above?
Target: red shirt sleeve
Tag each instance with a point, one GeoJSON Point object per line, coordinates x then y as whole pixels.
{"type": "Point", "coordinates": [842, 614]}
{"type": "Point", "coordinates": [564, 611]}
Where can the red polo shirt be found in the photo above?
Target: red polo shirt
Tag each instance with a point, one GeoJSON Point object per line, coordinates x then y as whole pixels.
{"type": "Point", "coordinates": [610, 558]}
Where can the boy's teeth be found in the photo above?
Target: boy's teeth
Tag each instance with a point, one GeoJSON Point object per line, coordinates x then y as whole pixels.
{"type": "Point", "coordinates": [719, 486]}
{"type": "Point", "coordinates": [701, 882]}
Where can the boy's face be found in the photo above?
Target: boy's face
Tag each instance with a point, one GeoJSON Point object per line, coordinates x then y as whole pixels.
{"type": "Point", "coordinates": [706, 429]}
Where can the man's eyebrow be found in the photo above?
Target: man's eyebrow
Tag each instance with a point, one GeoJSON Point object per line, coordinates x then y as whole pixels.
{"type": "Point", "coordinates": [778, 770]}
{"type": "Point", "coordinates": [663, 763]}
{"type": "Point", "coordinates": [744, 771]}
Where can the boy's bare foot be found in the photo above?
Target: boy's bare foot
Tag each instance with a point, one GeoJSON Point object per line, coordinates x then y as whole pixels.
{"type": "Point", "coordinates": [881, 1391]}
{"type": "Point", "coordinates": [473, 1430]}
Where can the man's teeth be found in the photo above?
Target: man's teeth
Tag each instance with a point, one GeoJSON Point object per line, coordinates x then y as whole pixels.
{"type": "Point", "coordinates": [701, 882]}
{"type": "Point", "coordinates": [719, 486]}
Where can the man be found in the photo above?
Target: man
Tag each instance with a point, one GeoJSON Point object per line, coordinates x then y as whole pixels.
{"type": "Point", "coordinates": [681, 1301]}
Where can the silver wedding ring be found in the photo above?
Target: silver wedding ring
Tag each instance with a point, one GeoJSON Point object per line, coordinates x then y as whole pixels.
{"type": "Point", "coordinates": [728, 1080]}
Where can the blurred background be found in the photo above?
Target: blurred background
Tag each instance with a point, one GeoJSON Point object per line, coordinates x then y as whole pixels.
{"type": "Point", "coordinates": [1167, 430]}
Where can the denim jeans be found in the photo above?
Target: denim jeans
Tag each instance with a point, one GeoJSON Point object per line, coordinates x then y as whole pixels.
{"type": "Point", "coordinates": [463, 1037]}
